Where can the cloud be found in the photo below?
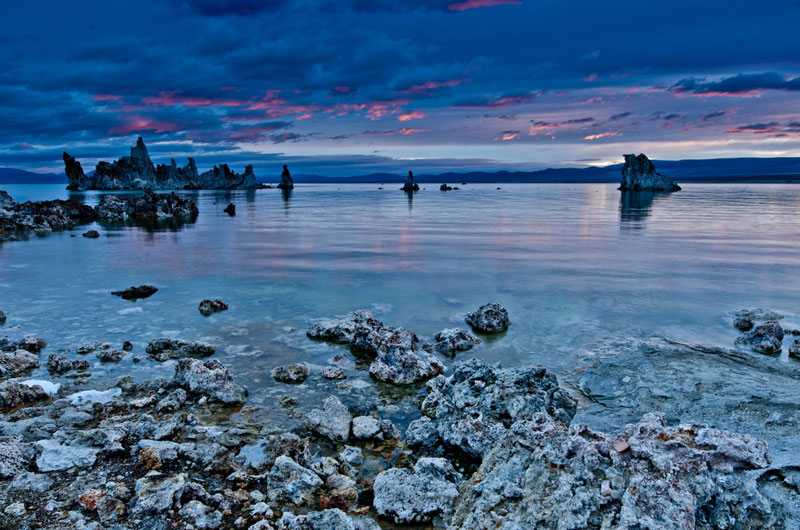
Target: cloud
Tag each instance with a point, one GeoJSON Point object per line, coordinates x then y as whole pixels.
{"type": "Point", "coordinates": [601, 135]}
{"type": "Point", "coordinates": [413, 115]}
{"type": "Point", "coordinates": [404, 131]}
{"type": "Point", "coordinates": [742, 85]}
{"type": "Point", "coordinates": [717, 114]}
{"type": "Point", "coordinates": [495, 102]}
{"type": "Point", "coordinates": [474, 4]}
{"type": "Point", "coordinates": [621, 116]}
{"type": "Point", "coordinates": [285, 137]}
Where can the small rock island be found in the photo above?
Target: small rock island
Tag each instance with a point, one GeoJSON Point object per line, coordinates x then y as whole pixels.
{"type": "Point", "coordinates": [137, 172]}
{"type": "Point", "coordinates": [639, 174]}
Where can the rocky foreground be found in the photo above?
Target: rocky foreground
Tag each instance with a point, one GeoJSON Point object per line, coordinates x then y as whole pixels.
{"type": "Point", "coordinates": [491, 448]}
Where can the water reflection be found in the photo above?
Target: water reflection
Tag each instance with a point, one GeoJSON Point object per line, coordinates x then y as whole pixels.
{"type": "Point", "coordinates": [410, 195]}
{"type": "Point", "coordinates": [286, 193]}
{"type": "Point", "coordinates": [634, 207]}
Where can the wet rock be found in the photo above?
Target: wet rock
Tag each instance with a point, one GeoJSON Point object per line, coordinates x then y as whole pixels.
{"type": "Point", "coordinates": [473, 408]}
{"type": "Point", "coordinates": [127, 346]}
{"type": "Point", "coordinates": [32, 344]}
{"type": "Point", "coordinates": [342, 331]}
{"type": "Point", "coordinates": [333, 372]}
{"type": "Point", "coordinates": [149, 208]}
{"type": "Point", "coordinates": [286, 180]}
{"type": "Point", "coordinates": [409, 184]}
{"type": "Point", "coordinates": [209, 378]}
{"type": "Point", "coordinates": [208, 307]}
{"type": "Point", "coordinates": [163, 349]}
{"type": "Point", "coordinates": [422, 433]}
{"type": "Point", "coordinates": [366, 427]}
{"type": "Point", "coordinates": [758, 314]}
{"type": "Point", "coordinates": [41, 216]}
{"type": "Point", "coordinates": [59, 364]}
{"type": "Point", "coordinates": [230, 209]}
{"type": "Point", "coordinates": [91, 234]}
{"type": "Point", "coordinates": [156, 493]}
{"type": "Point", "coordinates": [200, 515]}
{"type": "Point", "coordinates": [289, 481]}
{"type": "Point", "coordinates": [89, 348]}
{"type": "Point", "coordinates": [489, 318]}
{"type": "Point", "coordinates": [172, 402]}
{"type": "Point", "coordinates": [418, 495]}
{"type": "Point", "coordinates": [639, 174]}
{"type": "Point", "coordinates": [547, 475]}
{"type": "Point", "coordinates": [13, 394]}
{"type": "Point", "coordinates": [110, 356]}
{"type": "Point", "coordinates": [453, 340]}
{"type": "Point", "coordinates": [2, 317]}
{"type": "Point", "coordinates": [794, 349]}
{"type": "Point", "coordinates": [135, 293]}
{"type": "Point", "coordinates": [290, 373]}
{"type": "Point", "coordinates": [445, 187]}
{"type": "Point", "coordinates": [743, 323]}
{"type": "Point", "coordinates": [15, 509]}
{"type": "Point", "coordinates": [765, 338]}
{"type": "Point", "coordinates": [332, 421]}
{"type": "Point", "coordinates": [17, 361]}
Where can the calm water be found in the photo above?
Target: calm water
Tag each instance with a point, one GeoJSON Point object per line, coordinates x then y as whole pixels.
{"type": "Point", "coordinates": [574, 264]}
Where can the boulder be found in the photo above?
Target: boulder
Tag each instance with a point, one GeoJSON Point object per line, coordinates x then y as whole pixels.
{"type": "Point", "coordinates": [148, 208]}
{"type": "Point", "coordinates": [453, 340]}
{"type": "Point", "coordinates": [288, 481]}
{"type": "Point", "coordinates": [163, 349]}
{"type": "Point", "coordinates": [135, 293]}
{"type": "Point", "coordinates": [14, 362]}
{"type": "Point", "coordinates": [418, 495]}
{"type": "Point", "coordinates": [207, 307]}
{"type": "Point", "coordinates": [91, 234]}
{"type": "Point", "coordinates": [332, 421]}
{"type": "Point", "coordinates": [290, 373]}
{"type": "Point", "coordinates": [41, 216]}
{"type": "Point", "coordinates": [2, 317]}
{"type": "Point", "coordinates": [59, 364]}
{"type": "Point", "coordinates": [156, 493]}
{"type": "Point", "coordinates": [286, 180]}
{"type": "Point", "coordinates": [209, 378]}
{"type": "Point", "coordinates": [765, 338]}
{"type": "Point", "coordinates": [13, 394]}
{"type": "Point", "coordinates": [639, 174]}
{"type": "Point", "coordinates": [743, 323]}
{"type": "Point", "coordinates": [201, 516]}
{"type": "Point", "coordinates": [230, 209]}
{"type": "Point", "coordinates": [110, 356]}
{"type": "Point", "coordinates": [489, 318]}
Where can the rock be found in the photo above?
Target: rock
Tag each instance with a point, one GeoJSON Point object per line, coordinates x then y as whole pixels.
{"type": "Point", "coordinates": [89, 348]}
{"type": "Point", "coordinates": [156, 493]}
{"type": "Point", "coordinates": [473, 408]}
{"type": "Point", "coordinates": [343, 486]}
{"type": "Point", "coordinates": [366, 427]}
{"type": "Point", "coordinates": [422, 433]}
{"type": "Point", "coordinates": [33, 482]}
{"type": "Point", "coordinates": [743, 323]}
{"type": "Point", "coordinates": [91, 234]}
{"type": "Point", "coordinates": [547, 475]}
{"type": "Point", "coordinates": [150, 458]}
{"type": "Point", "coordinates": [17, 361]}
{"type": "Point", "coordinates": [332, 421]}
{"type": "Point", "coordinates": [290, 373]}
{"type": "Point", "coordinates": [89, 499]}
{"type": "Point", "coordinates": [417, 496]}
{"type": "Point", "coordinates": [172, 402]}
{"type": "Point", "coordinates": [410, 185]}
{"type": "Point", "coordinates": [758, 314]}
{"type": "Point", "coordinates": [15, 456]}
{"type": "Point", "coordinates": [135, 293]}
{"type": "Point", "coordinates": [32, 344]}
{"type": "Point", "coordinates": [41, 216]}
{"type": "Point", "coordinates": [489, 318]}
{"type": "Point", "coordinates": [765, 338]}
{"type": "Point", "coordinates": [200, 515]}
{"type": "Point", "coordinates": [163, 349]}
{"type": "Point", "coordinates": [136, 172]}
{"type": "Point", "coordinates": [56, 456]}
{"type": "Point", "coordinates": [639, 174]}
{"type": "Point", "coordinates": [289, 481]}
{"type": "Point", "coordinates": [230, 209]}
{"type": "Point", "coordinates": [2, 317]}
{"type": "Point", "coordinates": [15, 509]}
{"type": "Point", "coordinates": [330, 519]}
{"type": "Point", "coordinates": [286, 180]}
{"type": "Point", "coordinates": [209, 378]}
{"type": "Point", "coordinates": [207, 307]}
{"type": "Point", "coordinates": [794, 349]}
{"type": "Point", "coordinates": [333, 372]}
{"type": "Point", "coordinates": [149, 208]}
{"type": "Point", "coordinates": [13, 394]}
{"type": "Point", "coordinates": [59, 364]}
{"type": "Point", "coordinates": [110, 356]}
{"type": "Point", "coordinates": [453, 340]}
{"type": "Point", "coordinates": [127, 346]}
{"type": "Point", "coordinates": [342, 331]}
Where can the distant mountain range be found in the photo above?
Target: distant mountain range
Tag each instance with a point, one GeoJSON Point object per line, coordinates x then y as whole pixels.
{"type": "Point", "coordinates": [707, 170]}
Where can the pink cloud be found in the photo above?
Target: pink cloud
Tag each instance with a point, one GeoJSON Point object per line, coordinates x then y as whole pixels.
{"type": "Point", "coordinates": [413, 115]}
{"type": "Point", "coordinates": [139, 124]}
{"type": "Point", "coordinates": [601, 135]}
{"type": "Point", "coordinates": [168, 99]}
{"type": "Point", "coordinates": [591, 78]}
{"type": "Point", "coordinates": [404, 131]}
{"type": "Point", "coordinates": [430, 86]}
{"type": "Point", "coordinates": [474, 4]}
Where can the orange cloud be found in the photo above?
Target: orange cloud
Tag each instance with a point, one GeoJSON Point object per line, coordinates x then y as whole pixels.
{"type": "Point", "coordinates": [413, 115]}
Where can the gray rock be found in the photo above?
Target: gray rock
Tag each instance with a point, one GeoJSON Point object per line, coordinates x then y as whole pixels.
{"type": "Point", "coordinates": [149, 208]}
{"type": "Point", "coordinates": [15, 456]}
{"type": "Point", "coordinates": [366, 427]}
{"type": "Point", "coordinates": [489, 318]}
{"type": "Point", "coordinates": [343, 486]}
{"type": "Point", "coordinates": [110, 356]}
{"type": "Point", "coordinates": [331, 519]}
{"type": "Point", "coordinates": [15, 509]}
{"type": "Point", "coordinates": [351, 456]}
{"type": "Point", "coordinates": [34, 482]}
{"type": "Point", "coordinates": [547, 475]}
{"type": "Point", "coordinates": [765, 338]}
{"type": "Point", "coordinates": [289, 481]}
{"type": "Point", "coordinates": [758, 314]}
{"type": "Point", "coordinates": [473, 408]}
{"type": "Point", "coordinates": [333, 420]}
{"type": "Point", "coordinates": [163, 349]}
{"type": "Point", "coordinates": [13, 394]}
{"type": "Point", "coordinates": [136, 292]}
{"type": "Point", "coordinates": [639, 174]}
{"type": "Point", "coordinates": [333, 372]}
{"type": "Point", "coordinates": [91, 234]}
{"type": "Point", "coordinates": [209, 378]}
{"type": "Point", "coordinates": [57, 456]}
{"type": "Point", "coordinates": [290, 373]}
{"type": "Point", "coordinates": [743, 323]}
{"type": "Point", "coordinates": [417, 496]}
{"type": "Point", "coordinates": [156, 493]}
{"type": "Point", "coordinates": [400, 357]}
{"type": "Point", "coordinates": [2, 314]}
{"type": "Point", "coordinates": [794, 349]}
{"type": "Point", "coordinates": [200, 515]}
{"type": "Point", "coordinates": [41, 216]}
{"type": "Point", "coordinates": [17, 361]}
{"type": "Point", "coordinates": [343, 330]}
{"type": "Point", "coordinates": [172, 402]}
{"type": "Point", "coordinates": [422, 433]}
{"type": "Point", "coordinates": [59, 364]}
{"type": "Point", "coordinates": [453, 340]}
{"type": "Point", "coordinates": [208, 307]}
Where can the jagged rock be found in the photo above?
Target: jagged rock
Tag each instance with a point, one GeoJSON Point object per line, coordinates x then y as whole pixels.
{"type": "Point", "coordinates": [286, 180]}
{"type": "Point", "coordinates": [544, 474]}
{"type": "Point", "coordinates": [417, 496]}
{"type": "Point", "coordinates": [453, 340]}
{"type": "Point", "coordinates": [743, 323]}
{"type": "Point", "coordinates": [41, 216]}
{"type": "Point", "coordinates": [200, 515]}
{"type": "Point", "coordinates": [33, 482]}
{"type": "Point", "coordinates": [209, 378]}
{"type": "Point", "coordinates": [289, 481]}
{"type": "Point", "coordinates": [794, 349]}
{"type": "Point", "coordinates": [207, 307]}
{"type": "Point", "coordinates": [17, 361]}
{"type": "Point", "coordinates": [343, 486]}
{"type": "Point", "coordinates": [91, 234]}
{"type": "Point", "coordinates": [758, 314]}
{"type": "Point", "coordinates": [149, 208]}
{"type": "Point", "coordinates": [474, 407]}
{"type": "Point", "coordinates": [342, 331]}
{"type": "Point", "coordinates": [57, 456]}
{"type": "Point", "coordinates": [639, 174]}
{"type": "Point", "coordinates": [110, 356]}
{"type": "Point", "coordinates": [330, 519]}
{"type": "Point", "coordinates": [172, 402]}
{"type": "Point", "coordinates": [32, 344]}
{"type": "Point", "coordinates": [135, 293]}
{"type": "Point", "coordinates": [2, 317]}
{"type": "Point", "coordinates": [333, 420]}
{"type": "Point", "coordinates": [163, 349]}
{"type": "Point", "coordinates": [290, 373]}
{"type": "Point", "coordinates": [13, 394]}
{"type": "Point", "coordinates": [366, 427]}
{"type": "Point", "coordinates": [156, 493]}
{"type": "Point", "coordinates": [333, 372]}
{"type": "Point", "coordinates": [765, 338]}
{"type": "Point", "coordinates": [409, 184]}
{"type": "Point", "coordinates": [230, 209]}
{"type": "Point", "coordinates": [15, 456]}
{"type": "Point", "coordinates": [489, 318]}
{"type": "Point", "coordinates": [137, 172]}
{"type": "Point", "coordinates": [59, 364]}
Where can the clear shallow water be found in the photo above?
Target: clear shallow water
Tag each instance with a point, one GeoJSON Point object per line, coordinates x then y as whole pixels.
{"type": "Point", "coordinates": [574, 264]}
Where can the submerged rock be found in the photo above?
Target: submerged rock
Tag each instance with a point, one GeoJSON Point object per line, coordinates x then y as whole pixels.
{"type": "Point", "coordinates": [473, 408]}
{"type": "Point", "coordinates": [91, 234]}
{"type": "Point", "coordinates": [41, 216]}
{"type": "Point", "coordinates": [743, 323]}
{"type": "Point", "coordinates": [453, 340]}
{"type": "Point", "coordinates": [546, 475]}
{"type": "Point", "coordinates": [418, 495]}
{"type": "Point", "coordinates": [290, 373]}
{"type": "Point", "coordinates": [639, 174]}
{"type": "Point", "coordinates": [489, 318]}
{"type": "Point", "coordinates": [137, 172]}
{"type": "Point", "coordinates": [445, 187]}
{"type": "Point", "coordinates": [230, 209]}
{"type": "Point", "coordinates": [110, 356]}
{"type": "Point", "coordinates": [2, 317]}
{"type": "Point", "coordinates": [207, 307]}
{"type": "Point", "coordinates": [135, 293]}
{"type": "Point", "coordinates": [765, 338]}
{"type": "Point", "coordinates": [13, 394]}
{"type": "Point", "coordinates": [149, 208]}
{"type": "Point", "coordinates": [59, 364]}
{"type": "Point", "coordinates": [794, 349]}
{"type": "Point", "coordinates": [333, 420]}
{"type": "Point", "coordinates": [209, 378]}
{"type": "Point", "coordinates": [163, 349]}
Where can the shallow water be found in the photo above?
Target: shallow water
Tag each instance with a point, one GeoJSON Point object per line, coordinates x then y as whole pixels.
{"type": "Point", "coordinates": [574, 264]}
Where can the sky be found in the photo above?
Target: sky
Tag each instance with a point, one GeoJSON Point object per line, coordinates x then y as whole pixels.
{"type": "Point", "coordinates": [349, 87]}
